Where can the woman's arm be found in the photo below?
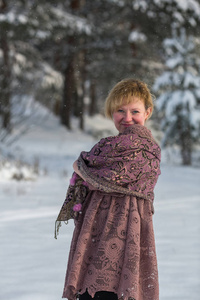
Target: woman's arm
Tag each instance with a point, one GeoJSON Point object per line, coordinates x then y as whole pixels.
{"type": "Point", "coordinates": [75, 167]}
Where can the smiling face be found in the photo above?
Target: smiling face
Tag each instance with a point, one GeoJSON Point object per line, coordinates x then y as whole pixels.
{"type": "Point", "coordinates": [130, 114]}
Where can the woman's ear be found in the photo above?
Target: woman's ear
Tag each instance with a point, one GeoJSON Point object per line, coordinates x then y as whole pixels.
{"type": "Point", "coordinates": [148, 112]}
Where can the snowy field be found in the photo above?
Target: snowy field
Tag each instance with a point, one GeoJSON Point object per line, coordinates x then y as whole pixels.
{"type": "Point", "coordinates": [33, 263]}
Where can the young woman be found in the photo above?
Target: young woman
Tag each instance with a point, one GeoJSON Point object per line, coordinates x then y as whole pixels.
{"type": "Point", "coordinates": [110, 196]}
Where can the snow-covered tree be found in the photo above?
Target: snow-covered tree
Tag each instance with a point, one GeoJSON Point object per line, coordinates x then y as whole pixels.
{"type": "Point", "coordinates": [181, 12]}
{"type": "Point", "coordinates": [27, 75]}
{"type": "Point", "coordinates": [179, 87]}
{"type": "Point", "coordinates": [75, 50]}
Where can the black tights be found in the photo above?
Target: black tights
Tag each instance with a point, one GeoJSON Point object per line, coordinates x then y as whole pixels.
{"type": "Point", "coordinates": [103, 295]}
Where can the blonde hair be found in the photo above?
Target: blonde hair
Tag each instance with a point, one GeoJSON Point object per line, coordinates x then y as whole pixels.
{"type": "Point", "coordinates": [122, 93]}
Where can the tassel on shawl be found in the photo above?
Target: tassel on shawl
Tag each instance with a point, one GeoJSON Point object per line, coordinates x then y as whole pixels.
{"type": "Point", "coordinates": [58, 224]}
{"type": "Point", "coordinates": [72, 206]}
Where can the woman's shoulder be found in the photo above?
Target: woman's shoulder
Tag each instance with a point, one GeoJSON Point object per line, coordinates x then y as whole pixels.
{"type": "Point", "coordinates": [132, 137]}
{"type": "Point", "coordinates": [135, 131]}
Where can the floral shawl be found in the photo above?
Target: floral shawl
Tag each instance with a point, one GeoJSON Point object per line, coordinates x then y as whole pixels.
{"type": "Point", "coordinates": [128, 163]}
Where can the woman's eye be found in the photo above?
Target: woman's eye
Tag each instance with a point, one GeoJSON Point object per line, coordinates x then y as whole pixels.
{"type": "Point", "coordinates": [120, 110]}
{"type": "Point", "coordinates": [135, 112]}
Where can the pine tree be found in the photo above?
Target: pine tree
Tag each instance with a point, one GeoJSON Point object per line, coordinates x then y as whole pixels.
{"type": "Point", "coordinates": [26, 76]}
{"type": "Point", "coordinates": [57, 48]}
{"type": "Point", "coordinates": [179, 87]}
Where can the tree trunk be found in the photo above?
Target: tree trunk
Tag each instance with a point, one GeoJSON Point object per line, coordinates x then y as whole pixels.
{"type": "Point", "coordinates": [81, 115]}
{"type": "Point", "coordinates": [80, 77]}
{"type": "Point", "coordinates": [82, 60]}
{"type": "Point", "coordinates": [186, 148]}
{"type": "Point", "coordinates": [68, 91]}
{"type": "Point", "coordinates": [186, 142]}
{"type": "Point", "coordinates": [5, 79]}
{"type": "Point", "coordinates": [92, 107]}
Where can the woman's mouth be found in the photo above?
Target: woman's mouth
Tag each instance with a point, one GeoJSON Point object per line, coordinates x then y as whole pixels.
{"type": "Point", "coordinates": [127, 125]}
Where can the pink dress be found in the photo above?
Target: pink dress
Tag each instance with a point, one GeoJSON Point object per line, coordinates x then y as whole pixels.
{"type": "Point", "coordinates": [113, 249]}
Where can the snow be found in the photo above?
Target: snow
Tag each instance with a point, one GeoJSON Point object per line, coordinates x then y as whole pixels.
{"type": "Point", "coordinates": [9, 17]}
{"type": "Point", "coordinates": [178, 88]}
{"type": "Point", "coordinates": [189, 5]}
{"type": "Point", "coordinates": [22, 19]}
{"type": "Point", "coordinates": [11, 170]}
{"type": "Point", "coordinates": [183, 5]}
{"type": "Point", "coordinates": [178, 98]}
{"type": "Point", "coordinates": [33, 263]}
{"type": "Point", "coordinates": [41, 34]}
{"type": "Point", "coordinates": [164, 79]}
{"type": "Point", "coordinates": [178, 8]}
{"type": "Point", "coordinates": [73, 22]}
{"type": "Point", "coordinates": [48, 76]}
{"type": "Point", "coordinates": [140, 4]}
{"type": "Point", "coordinates": [136, 36]}
{"type": "Point", "coordinates": [191, 80]}
{"type": "Point", "coordinates": [178, 16]}
{"type": "Point", "coordinates": [13, 17]}
{"type": "Point", "coordinates": [171, 63]}
{"type": "Point", "coordinates": [51, 77]}
{"type": "Point", "coordinates": [21, 59]}
{"type": "Point", "coordinates": [194, 119]}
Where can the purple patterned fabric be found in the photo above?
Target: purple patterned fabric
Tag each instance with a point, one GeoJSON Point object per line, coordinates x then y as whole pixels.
{"type": "Point", "coordinates": [128, 163]}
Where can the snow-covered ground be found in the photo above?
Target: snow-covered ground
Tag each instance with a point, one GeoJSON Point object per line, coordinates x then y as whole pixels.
{"type": "Point", "coordinates": [33, 263]}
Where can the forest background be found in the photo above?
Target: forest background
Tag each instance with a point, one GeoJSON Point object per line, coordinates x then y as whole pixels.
{"type": "Point", "coordinates": [67, 54]}
{"type": "Point", "coordinates": [58, 60]}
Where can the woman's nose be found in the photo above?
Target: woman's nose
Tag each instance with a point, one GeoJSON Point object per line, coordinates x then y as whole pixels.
{"type": "Point", "coordinates": [127, 117]}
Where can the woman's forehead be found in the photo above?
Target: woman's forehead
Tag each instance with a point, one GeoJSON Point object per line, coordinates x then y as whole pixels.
{"type": "Point", "coordinates": [129, 100]}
